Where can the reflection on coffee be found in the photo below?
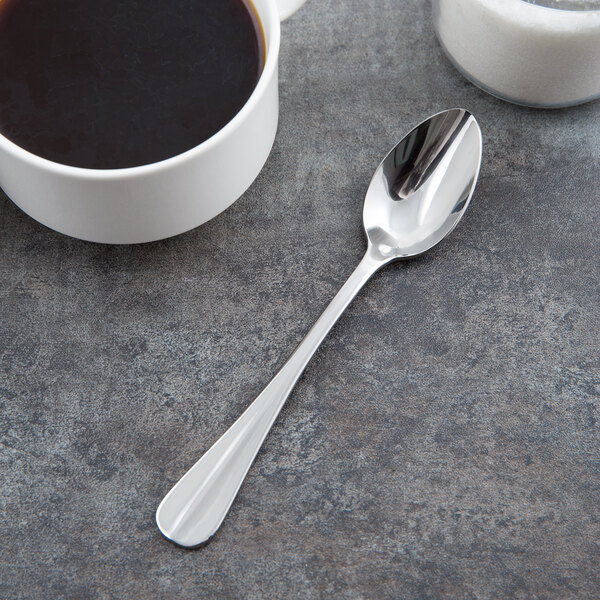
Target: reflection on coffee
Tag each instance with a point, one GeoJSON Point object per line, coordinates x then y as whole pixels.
{"type": "Point", "coordinates": [120, 83]}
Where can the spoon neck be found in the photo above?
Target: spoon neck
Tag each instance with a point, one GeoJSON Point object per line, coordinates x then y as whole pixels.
{"type": "Point", "coordinates": [376, 257]}
{"type": "Point", "coordinates": [370, 264]}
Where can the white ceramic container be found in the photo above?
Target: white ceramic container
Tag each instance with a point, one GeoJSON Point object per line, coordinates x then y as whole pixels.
{"type": "Point", "coordinates": [541, 53]}
{"type": "Point", "coordinates": [160, 200]}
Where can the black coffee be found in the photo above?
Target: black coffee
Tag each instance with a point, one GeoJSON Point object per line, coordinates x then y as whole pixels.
{"type": "Point", "coordinates": [110, 84]}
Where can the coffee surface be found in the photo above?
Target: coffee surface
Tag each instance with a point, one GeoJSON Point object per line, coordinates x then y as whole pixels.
{"type": "Point", "coordinates": [111, 84]}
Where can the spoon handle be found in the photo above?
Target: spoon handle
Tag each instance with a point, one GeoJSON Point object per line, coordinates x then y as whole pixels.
{"type": "Point", "coordinates": [193, 510]}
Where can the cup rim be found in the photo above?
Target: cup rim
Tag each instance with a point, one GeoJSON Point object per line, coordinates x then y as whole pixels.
{"type": "Point", "coordinates": [271, 25]}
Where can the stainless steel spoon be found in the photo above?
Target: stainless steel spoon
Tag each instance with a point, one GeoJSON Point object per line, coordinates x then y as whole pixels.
{"type": "Point", "coordinates": [417, 196]}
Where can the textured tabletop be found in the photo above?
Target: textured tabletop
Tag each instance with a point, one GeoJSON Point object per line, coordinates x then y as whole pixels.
{"type": "Point", "coordinates": [444, 442]}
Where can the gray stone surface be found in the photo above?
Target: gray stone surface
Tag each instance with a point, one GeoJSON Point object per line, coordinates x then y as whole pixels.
{"type": "Point", "coordinates": [443, 443]}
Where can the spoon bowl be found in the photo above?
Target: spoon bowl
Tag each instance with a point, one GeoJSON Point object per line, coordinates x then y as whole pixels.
{"type": "Point", "coordinates": [422, 188]}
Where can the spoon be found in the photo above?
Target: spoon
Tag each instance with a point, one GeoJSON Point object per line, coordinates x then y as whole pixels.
{"type": "Point", "coordinates": [417, 196]}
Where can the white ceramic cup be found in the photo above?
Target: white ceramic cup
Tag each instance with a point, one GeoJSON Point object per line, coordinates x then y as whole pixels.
{"type": "Point", "coordinates": [160, 200]}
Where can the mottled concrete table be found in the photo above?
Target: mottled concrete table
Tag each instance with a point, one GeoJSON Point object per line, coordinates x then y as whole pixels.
{"type": "Point", "coordinates": [444, 442]}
